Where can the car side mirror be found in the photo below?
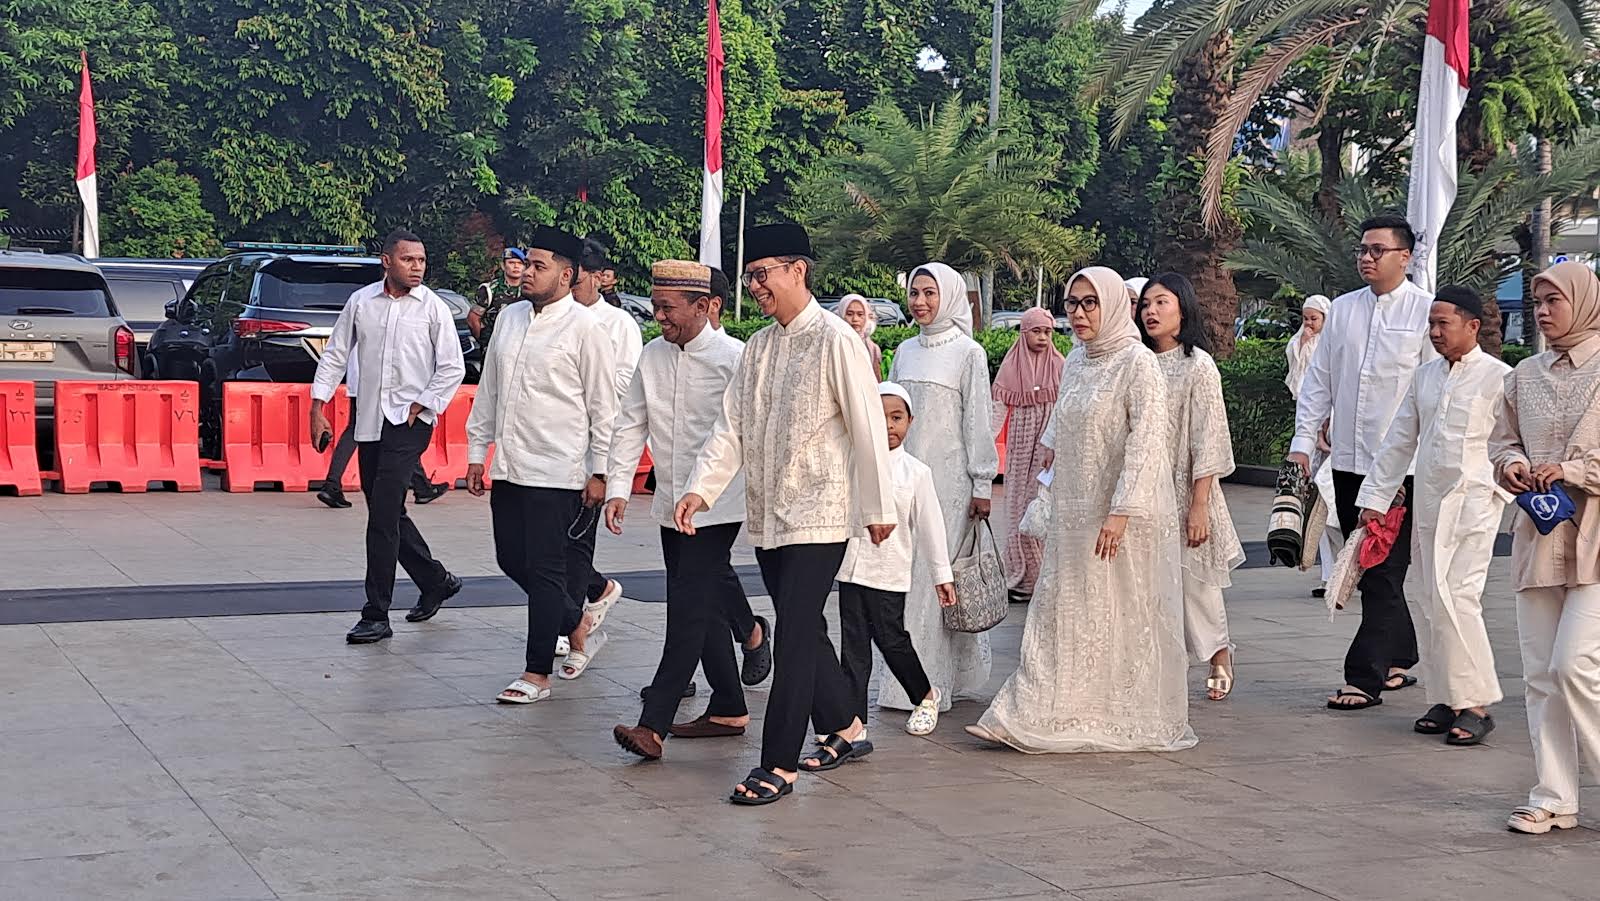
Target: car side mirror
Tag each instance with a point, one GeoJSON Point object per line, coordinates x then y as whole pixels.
{"type": "Point", "coordinates": [171, 309]}
{"type": "Point", "coordinates": [180, 310]}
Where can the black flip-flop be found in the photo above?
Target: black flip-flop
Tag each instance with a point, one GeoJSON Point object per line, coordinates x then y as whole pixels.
{"type": "Point", "coordinates": [1370, 701]}
{"type": "Point", "coordinates": [834, 752]}
{"type": "Point", "coordinates": [1477, 728]}
{"type": "Point", "coordinates": [762, 794]}
{"type": "Point", "coordinates": [757, 660]}
{"type": "Point", "coordinates": [1437, 721]}
{"type": "Point", "coordinates": [1406, 681]}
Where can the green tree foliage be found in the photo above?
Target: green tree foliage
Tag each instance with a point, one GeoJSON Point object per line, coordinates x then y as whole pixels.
{"type": "Point", "coordinates": [156, 212]}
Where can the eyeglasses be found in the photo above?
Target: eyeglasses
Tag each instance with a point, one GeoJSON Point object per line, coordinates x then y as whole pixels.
{"type": "Point", "coordinates": [1375, 251]}
{"type": "Point", "coordinates": [759, 276]}
{"type": "Point", "coordinates": [1089, 304]}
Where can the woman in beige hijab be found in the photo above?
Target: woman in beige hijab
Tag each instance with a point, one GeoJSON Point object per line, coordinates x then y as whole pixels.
{"type": "Point", "coordinates": [1548, 434]}
{"type": "Point", "coordinates": [856, 310]}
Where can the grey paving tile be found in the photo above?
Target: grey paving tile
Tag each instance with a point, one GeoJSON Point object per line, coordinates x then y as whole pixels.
{"type": "Point", "coordinates": [492, 759]}
{"type": "Point", "coordinates": [1252, 887]}
{"type": "Point", "coordinates": [461, 720]}
{"type": "Point", "coordinates": [1439, 877]}
{"type": "Point", "coordinates": [1113, 853]}
{"type": "Point", "coordinates": [1164, 794]}
{"type": "Point", "coordinates": [357, 683]}
{"type": "Point", "coordinates": [969, 810]}
{"type": "Point", "coordinates": [596, 841]}
{"type": "Point", "coordinates": [302, 770]}
{"type": "Point", "coordinates": [43, 694]}
{"type": "Point", "coordinates": [67, 767]}
{"type": "Point", "coordinates": [468, 797]}
{"type": "Point", "coordinates": [457, 884]}
{"type": "Point", "coordinates": [104, 828]}
{"type": "Point", "coordinates": [234, 733]}
{"type": "Point", "coordinates": [205, 873]}
{"type": "Point", "coordinates": [942, 871]}
{"type": "Point", "coordinates": [737, 876]}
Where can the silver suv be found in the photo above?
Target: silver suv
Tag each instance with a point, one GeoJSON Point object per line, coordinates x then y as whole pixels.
{"type": "Point", "coordinates": [58, 321]}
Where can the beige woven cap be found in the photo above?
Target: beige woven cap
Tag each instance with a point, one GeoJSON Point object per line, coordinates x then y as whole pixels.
{"type": "Point", "coordinates": [681, 275]}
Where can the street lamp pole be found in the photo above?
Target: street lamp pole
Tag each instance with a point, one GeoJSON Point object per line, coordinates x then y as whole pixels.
{"type": "Point", "coordinates": [986, 286]}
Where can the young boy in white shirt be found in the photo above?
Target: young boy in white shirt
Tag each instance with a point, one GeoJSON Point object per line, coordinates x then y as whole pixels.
{"type": "Point", "coordinates": [874, 579]}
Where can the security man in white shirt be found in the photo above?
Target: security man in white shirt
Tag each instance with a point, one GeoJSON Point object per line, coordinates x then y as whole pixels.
{"type": "Point", "coordinates": [1372, 343]}
{"type": "Point", "coordinates": [546, 402]}
{"type": "Point", "coordinates": [410, 368]}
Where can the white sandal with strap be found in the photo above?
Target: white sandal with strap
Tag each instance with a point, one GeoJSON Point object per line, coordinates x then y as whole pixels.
{"type": "Point", "coordinates": [577, 661]}
{"type": "Point", "coordinates": [563, 646]}
{"type": "Point", "coordinates": [601, 607]}
{"type": "Point", "coordinates": [1538, 821]}
{"type": "Point", "coordinates": [529, 693]}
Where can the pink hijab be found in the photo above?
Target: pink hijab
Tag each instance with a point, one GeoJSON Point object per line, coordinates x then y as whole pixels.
{"type": "Point", "coordinates": [1026, 378]}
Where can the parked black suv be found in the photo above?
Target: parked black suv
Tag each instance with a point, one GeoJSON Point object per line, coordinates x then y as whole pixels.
{"type": "Point", "coordinates": [143, 289]}
{"type": "Point", "coordinates": [262, 314]}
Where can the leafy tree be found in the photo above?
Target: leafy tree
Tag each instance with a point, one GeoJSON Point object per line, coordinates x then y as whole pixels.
{"type": "Point", "coordinates": [157, 212]}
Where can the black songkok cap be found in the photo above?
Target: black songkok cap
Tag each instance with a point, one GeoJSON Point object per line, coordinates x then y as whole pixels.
{"type": "Point", "coordinates": [784, 239]}
{"type": "Point", "coordinates": [557, 242]}
{"type": "Point", "coordinates": [1465, 299]}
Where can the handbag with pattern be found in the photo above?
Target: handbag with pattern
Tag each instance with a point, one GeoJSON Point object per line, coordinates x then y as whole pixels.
{"type": "Point", "coordinates": [980, 582]}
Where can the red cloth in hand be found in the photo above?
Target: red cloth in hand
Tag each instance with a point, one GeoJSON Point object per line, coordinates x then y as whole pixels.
{"type": "Point", "coordinates": [1380, 537]}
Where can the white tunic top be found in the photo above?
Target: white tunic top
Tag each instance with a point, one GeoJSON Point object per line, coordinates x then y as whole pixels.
{"type": "Point", "coordinates": [674, 400]}
{"type": "Point", "coordinates": [409, 353]}
{"type": "Point", "coordinates": [546, 399]}
{"type": "Point", "coordinates": [803, 419]}
{"type": "Point", "coordinates": [1199, 441]}
{"type": "Point", "coordinates": [626, 340]}
{"type": "Point", "coordinates": [920, 535]}
{"type": "Point", "coordinates": [1365, 354]}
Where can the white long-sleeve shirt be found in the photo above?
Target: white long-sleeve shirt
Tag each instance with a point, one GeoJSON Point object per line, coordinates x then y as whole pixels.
{"type": "Point", "coordinates": [546, 399]}
{"type": "Point", "coordinates": [622, 330]}
{"type": "Point", "coordinates": [408, 352]}
{"type": "Point", "coordinates": [920, 534]}
{"type": "Point", "coordinates": [803, 419]}
{"type": "Point", "coordinates": [674, 400]}
{"type": "Point", "coordinates": [1365, 357]}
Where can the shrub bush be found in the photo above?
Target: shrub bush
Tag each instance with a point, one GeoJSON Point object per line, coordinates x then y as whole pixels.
{"type": "Point", "coordinates": [1260, 409]}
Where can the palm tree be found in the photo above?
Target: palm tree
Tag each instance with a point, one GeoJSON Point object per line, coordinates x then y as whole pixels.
{"type": "Point", "coordinates": [942, 188]}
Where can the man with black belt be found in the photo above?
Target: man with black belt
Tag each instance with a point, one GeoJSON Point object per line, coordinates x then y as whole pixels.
{"type": "Point", "coordinates": [546, 402]}
{"type": "Point", "coordinates": [1372, 343]}
{"type": "Point", "coordinates": [410, 368]}
{"type": "Point", "coordinates": [801, 418]}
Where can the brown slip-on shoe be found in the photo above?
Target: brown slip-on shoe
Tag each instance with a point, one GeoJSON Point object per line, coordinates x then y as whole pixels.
{"type": "Point", "coordinates": [638, 739]}
{"type": "Point", "coordinates": [702, 727]}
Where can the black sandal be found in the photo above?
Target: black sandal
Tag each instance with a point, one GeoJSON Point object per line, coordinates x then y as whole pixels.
{"type": "Point", "coordinates": [839, 752]}
{"type": "Point", "coordinates": [1477, 728]}
{"type": "Point", "coordinates": [760, 793]}
{"type": "Point", "coordinates": [1406, 681]}
{"type": "Point", "coordinates": [1437, 721]}
{"type": "Point", "coordinates": [757, 660]}
{"type": "Point", "coordinates": [1370, 701]}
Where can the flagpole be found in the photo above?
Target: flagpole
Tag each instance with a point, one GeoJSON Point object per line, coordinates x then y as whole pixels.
{"type": "Point", "coordinates": [88, 190]}
{"type": "Point", "coordinates": [738, 272]}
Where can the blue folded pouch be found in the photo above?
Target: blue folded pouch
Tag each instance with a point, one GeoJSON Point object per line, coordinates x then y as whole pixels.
{"type": "Point", "coordinates": [1547, 509]}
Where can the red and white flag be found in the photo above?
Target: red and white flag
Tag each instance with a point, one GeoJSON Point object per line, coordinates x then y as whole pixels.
{"type": "Point", "coordinates": [711, 189]}
{"type": "Point", "coordinates": [86, 178]}
{"type": "Point", "coordinates": [1446, 58]}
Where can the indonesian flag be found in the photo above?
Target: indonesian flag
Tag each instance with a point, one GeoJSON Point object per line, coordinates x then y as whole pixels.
{"type": "Point", "coordinates": [711, 189]}
{"type": "Point", "coordinates": [1446, 59]}
{"type": "Point", "coordinates": [86, 179]}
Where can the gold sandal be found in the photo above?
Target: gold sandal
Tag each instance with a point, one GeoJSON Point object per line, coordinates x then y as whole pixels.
{"type": "Point", "coordinates": [1220, 680]}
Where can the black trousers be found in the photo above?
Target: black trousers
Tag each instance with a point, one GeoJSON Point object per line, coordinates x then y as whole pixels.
{"type": "Point", "coordinates": [345, 448]}
{"type": "Point", "coordinates": [867, 617]}
{"type": "Point", "coordinates": [807, 681]}
{"type": "Point", "coordinates": [1387, 638]}
{"type": "Point", "coordinates": [583, 580]}
{"type": "Point", "coordinates": [386, 468]}
{"type": "Point", "coordinates": [696, 627]}
{"type": "Point", "coordinates": [532, 548]}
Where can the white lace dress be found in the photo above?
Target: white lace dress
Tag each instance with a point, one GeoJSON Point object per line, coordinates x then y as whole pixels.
{"type": "Point", "coordinates": [1103, 665]}
{"type": "Point", "coordinates": [947, 377]}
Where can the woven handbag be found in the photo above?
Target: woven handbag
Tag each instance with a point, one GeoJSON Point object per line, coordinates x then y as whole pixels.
{"type": "Point", "coordinates": [980, 582]}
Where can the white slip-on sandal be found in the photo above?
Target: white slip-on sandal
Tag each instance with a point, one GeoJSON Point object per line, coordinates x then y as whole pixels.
{"type": "Point", "coordinates": [1538, 821]}
{"type": "Point", "coordinates": [563, 646]}
{"type": "Point", "coordinates": [609, 599]}
{"type": "Point", "coordinates": [925, 718]}
{"type": "Point", "coordinates": [577, 661]}
{"type": "Point", "coordinates": [529, 693]}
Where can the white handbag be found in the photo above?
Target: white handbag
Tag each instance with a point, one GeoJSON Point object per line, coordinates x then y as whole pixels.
{"type": "Point", "coordinates": [980, 582]}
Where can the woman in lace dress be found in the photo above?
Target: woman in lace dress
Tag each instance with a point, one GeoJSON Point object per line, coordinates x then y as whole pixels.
{"type": "Point", "coordinates": [1103, 666]}
{"type": "Point", "coordinates": [1025, 392]}
{"type": "Point", "coordinates": [947, 375]}
{"type": "Point", "coordinates": [1202, 454]}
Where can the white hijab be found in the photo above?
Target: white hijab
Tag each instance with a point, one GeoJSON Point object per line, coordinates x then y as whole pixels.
{"type": "Point", "coordinates": [954, 310]}
{"type": "Point", "coordinates": [867, 328]}
{"type": "Point", "coordinates": [1301, 344]}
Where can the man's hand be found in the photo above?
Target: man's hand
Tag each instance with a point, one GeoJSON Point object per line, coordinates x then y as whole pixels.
{"type": "Point", "coordinates": [683, 514]}
{"type": "Point", "coordinates": [475, 479]}
{"type": "Point", "coordinates": [594, 492]}
{"type": "Point", "coordinates": [1324, 441]}
{"type": "Point", "coordinates": [416, 410]}
{"type": "Point", "coordinates": [980, 508]}
{"type": "Point", "coordinates": [946, 593]}
{"type": "Point", "coordinates": [616, 508]}
{"type": "Point", "coordinates": [1369, 515]}
{"type": "Point", "coordinates": [1303, 460]}
{"type": "Point", "coordinates": [1516, 477]}
{"type": "Point", "coordinates": [319, 423]}
{"type": "Point", "coordinates": [1198, 525]}
{"type": "Point", "coordinates": [1110, 539]}
{"type": "Point", "coordinates": [880, 534]}
{"type": "Point", "coordinates": [1546, 474]}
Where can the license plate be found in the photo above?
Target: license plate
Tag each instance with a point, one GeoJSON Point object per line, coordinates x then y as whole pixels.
{"type": "Point", "coordinates": [27, 351]}
{"type": "Point", "coordinates": [314, 346]}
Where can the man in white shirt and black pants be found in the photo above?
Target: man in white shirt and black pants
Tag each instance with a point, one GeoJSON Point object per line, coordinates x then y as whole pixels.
{"type": "Point", "coordinates": [1372, 343]}
{"type": "Point", "coordinates": [410, 368]}
{"type": "Point", "coordinates": [546, 402]}
{"type": "Point", "coordinates": [674, 401]}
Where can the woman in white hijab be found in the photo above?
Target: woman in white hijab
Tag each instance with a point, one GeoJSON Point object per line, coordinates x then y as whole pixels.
{"type": "Point", "coordinates": [854, 309]}
{"type": "Point", "coordinates": [1313, 315]}
{"type": "Point", "coordinates": [947, 376]}
{"type": "Point", "coordinates": [1103, 665]}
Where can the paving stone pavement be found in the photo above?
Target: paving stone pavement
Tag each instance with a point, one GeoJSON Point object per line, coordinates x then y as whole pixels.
{"type": "Point", "coordinates": [256, 757]}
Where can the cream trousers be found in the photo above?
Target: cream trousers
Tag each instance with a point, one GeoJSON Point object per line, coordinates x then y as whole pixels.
{"type": "Point", "coordinates": [1205, 621]}
{"type": "Point", "coordinates": [1560, 633]}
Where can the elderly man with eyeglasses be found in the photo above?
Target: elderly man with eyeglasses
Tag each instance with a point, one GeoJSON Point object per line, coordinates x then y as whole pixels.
{"type": "Point", "coordinates": [1374, 339]}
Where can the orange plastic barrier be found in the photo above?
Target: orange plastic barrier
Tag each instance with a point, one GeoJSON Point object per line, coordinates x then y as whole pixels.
{"type": "Point", "coordinates": [19, 454]}
{"type": "Point", "coordinates": [643, 472]}
{"type": "Point", "coordinates": [127, 434]}
{"type": "Point", "coordinates": [266, 437]}
{"type": "Point", "coordinates": [445, 460]}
